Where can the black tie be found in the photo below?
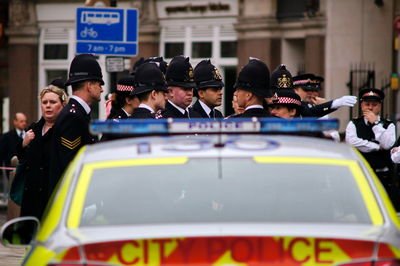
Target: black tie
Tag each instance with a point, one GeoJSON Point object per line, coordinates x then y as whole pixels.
{"type": "Point", "coordinates": [212, 114]}
{"type": "Point", "coordinates": [21, 135]}
{"type": "Point", "coordinates": [186, 114]}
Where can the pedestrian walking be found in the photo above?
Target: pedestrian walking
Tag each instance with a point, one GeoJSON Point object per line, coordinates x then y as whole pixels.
{"type": "Point", "coordinates": [34, 153]}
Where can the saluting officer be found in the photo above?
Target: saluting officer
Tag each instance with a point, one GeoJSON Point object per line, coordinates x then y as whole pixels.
{"type": "Point", "coordinates": [209, 86]}
{"type": "Point", "coordinates": [180, 82]}
{"type": "Point", "coordinates": [151, 89]}
{"type": "Point", "coordinates": [372, 135]}
{"type": "Point", "coordinates": [71, 129]}
{"type": "Point", "coordinates": [252, 86]}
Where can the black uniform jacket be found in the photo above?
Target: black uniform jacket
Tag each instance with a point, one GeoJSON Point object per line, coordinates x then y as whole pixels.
{"type": "Point", "coordinates": [118, 114]}
{"type": "Point", "coordinates": [71, 132]}
{"type": "Point", "coordinates": [377, 159]}
{"type": "Point", "coordinates": [317, 110]}
{"type": "Point", "coordinates": [115, 115]}
{"type": "Point", "coordinates": [199, 109]}
{"type": "Point", "coordinates": [171, 111]}
{"type": "Point", "coordinates": [142, 113]}
{"type": "Point", "coordinates": [253, 112]}
{"type": "Point", "coordinates": [8, 147]}
{"type": "Point", "coordinates": [35, 160]}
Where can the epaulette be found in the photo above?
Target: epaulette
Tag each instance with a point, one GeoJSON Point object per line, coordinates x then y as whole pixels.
{"type": "Point", "coordinates": [72, 109]}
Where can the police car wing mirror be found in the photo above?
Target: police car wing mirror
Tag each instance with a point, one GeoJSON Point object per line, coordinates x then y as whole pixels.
{"type": "Point", "coordinates": [19, 232]}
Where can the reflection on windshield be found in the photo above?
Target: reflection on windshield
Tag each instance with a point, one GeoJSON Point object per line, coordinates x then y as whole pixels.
{"type": "Point", "coordinates": [229, 190]}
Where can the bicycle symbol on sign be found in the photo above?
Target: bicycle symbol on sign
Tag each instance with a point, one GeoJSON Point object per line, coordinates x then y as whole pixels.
{"type": "Point", "coordinates": [88, 32]}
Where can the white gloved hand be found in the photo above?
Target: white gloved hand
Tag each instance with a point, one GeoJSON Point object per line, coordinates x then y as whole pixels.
{"type": "Point", "coordinates": [347, 100]}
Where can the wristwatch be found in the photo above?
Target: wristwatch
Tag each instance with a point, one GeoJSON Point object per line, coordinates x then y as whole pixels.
{"type": "Point", "coordinates": [376, 122]}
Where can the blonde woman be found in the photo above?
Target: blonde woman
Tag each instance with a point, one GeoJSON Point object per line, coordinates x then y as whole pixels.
{"type": "Point", "coordinates": [33, 152]}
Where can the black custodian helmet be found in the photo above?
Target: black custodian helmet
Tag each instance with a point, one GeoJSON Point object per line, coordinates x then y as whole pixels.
{"type": "Point", "coordinates": [281, 78]}
{"type": "Point", "coordinates": [180, 73]}
{"type": "Point", "coordinates": [149, 77]}
{"type": "Point", "coordinates": [254, 77]}
{"type": "Point", "coordinates": [84, 67]}
{"type": "Point", "coordinates": [206, 75]}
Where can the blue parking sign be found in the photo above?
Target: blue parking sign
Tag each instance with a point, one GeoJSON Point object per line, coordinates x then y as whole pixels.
{"type": "Point", "coordinates": [107, 31]}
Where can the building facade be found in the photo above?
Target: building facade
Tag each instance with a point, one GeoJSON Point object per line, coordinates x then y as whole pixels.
{"type": "Point", "coordinates": [350, 43]}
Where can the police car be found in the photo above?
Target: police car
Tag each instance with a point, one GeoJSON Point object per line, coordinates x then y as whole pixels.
{"type": "Point", "coordinates": [221, 196]}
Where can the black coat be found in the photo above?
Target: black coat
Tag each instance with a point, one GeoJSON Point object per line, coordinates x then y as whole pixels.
{"type": "Point", "coordinates": [118, 114]}
{"type": "Point", "coordinates": [8, 147]}
{"type": "Point", "coordinates": [171, 111]}
{"type": "Point", "coordinates": [317, 110]}
{"type": "Point", "coordinates": [253, 112]}
{"type": "Point", "coordinates": [199, 109]}
{"type": "Point", "coordinates": [35, 159]}
{"type": "Point", "coordinates": [71, 132]}
{"type": "Point", "coordinates": [142, 113]}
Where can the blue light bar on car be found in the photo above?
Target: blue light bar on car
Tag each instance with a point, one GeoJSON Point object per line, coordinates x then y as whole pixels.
{"type": "Point", "coordinates": [238, 125]}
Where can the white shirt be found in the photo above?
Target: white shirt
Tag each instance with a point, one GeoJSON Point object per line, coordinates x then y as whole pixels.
{"type": "Point", "coordinates": [19, 133]}
{"type": "Point", "coordinates": [254, 106]}
{"type": "Point", "coordinates": [179, 108]}
{"type": "Point", "coordinates": [82, 102]}
{"type": "Point", "coordinates": [395, 155]}
{"type": "Point", "coordinates": [205, 107]}
{"type": "Point", "coordinates": [142, 105]}
{"type": "Point", "coordinates": [386, 137]}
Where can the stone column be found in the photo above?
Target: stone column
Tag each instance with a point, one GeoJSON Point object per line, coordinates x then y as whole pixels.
{"type": "Point", "coordinates": [23, 41]}
{"type": "Point", "coordinates": [149, 29]}
{"type": "Point", "coordinates": [255, 27]}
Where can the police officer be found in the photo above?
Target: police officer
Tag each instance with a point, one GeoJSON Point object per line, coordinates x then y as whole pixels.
{"type": "Point", "coordinates": [209, 86]}
{"type": "Point", "coordinates": [124, 102]}
{"type": "Point", "coordinates": [71, 129]}
{"type": "Point", "coordinates": [372, 135]}
{"type": "Point", "coordinates": [285, 104]}
{"type": "Point", "coordinates": [161, 63]}
{"type": "Point", "coordinates": [151, 90]}
{"type": "Point", "coordinates": [252, 86]}
{"type": "Point", "coordinates": [300, 85]}
{"type": "Point", "coordinates": [180, 81]}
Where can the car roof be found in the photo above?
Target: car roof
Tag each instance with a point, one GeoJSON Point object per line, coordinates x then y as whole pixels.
{"type": "Point", "coordinates": [219, 146]}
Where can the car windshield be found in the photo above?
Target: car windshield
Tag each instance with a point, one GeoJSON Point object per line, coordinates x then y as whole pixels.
{"type": "Point", "coordinates": [210, 190]}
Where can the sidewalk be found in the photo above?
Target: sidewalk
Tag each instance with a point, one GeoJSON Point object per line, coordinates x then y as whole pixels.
{"type": "Point", "coordinates": [9, 256]}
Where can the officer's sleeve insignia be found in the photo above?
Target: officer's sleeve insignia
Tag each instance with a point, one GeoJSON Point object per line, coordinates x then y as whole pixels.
{"type": "Point", "coordinates": [71, 144]}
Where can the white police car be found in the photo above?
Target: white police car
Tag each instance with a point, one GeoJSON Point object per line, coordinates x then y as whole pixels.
{"type": "Point", "coordinates": [215, 199]}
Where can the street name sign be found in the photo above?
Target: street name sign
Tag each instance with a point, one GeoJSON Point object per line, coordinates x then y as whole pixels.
{"type": "Point", "coordinates": [107, 31]}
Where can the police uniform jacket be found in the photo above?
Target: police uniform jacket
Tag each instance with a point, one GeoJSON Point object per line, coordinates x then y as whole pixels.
{"type": "Point", "coordinates": [317, 110]}
{"type": "Point", "coordinates": [142, 113]}
{"type": "Point", "coordinates": [34, 159]}
{"type": "Point", "coordinates": [374, 141]}
{"type": "Point", "coordinates": [200, 110]}
{"type": "Point", "coordinates": [253, 112]}
{"type": "Point", "coordinates": [118, 114]}
{"type": "Point", "coordinates": [172, 111]}
{"type": "Point", "coordinates": [71, 132]}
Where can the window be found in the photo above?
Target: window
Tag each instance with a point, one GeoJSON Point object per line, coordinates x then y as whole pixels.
{"type": "Point", "coordinates": [202, 50]}
{"type": "Point", "coordinates": [228, 49]}
{"type": "Point", "coordinates": [55, 51]}
{"type": "Point", "coordinates": [288, 9]}
{"type": "Point", "coordinates": [173, 49]}
{"type": "Point", "coordinates": [53, 74]}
